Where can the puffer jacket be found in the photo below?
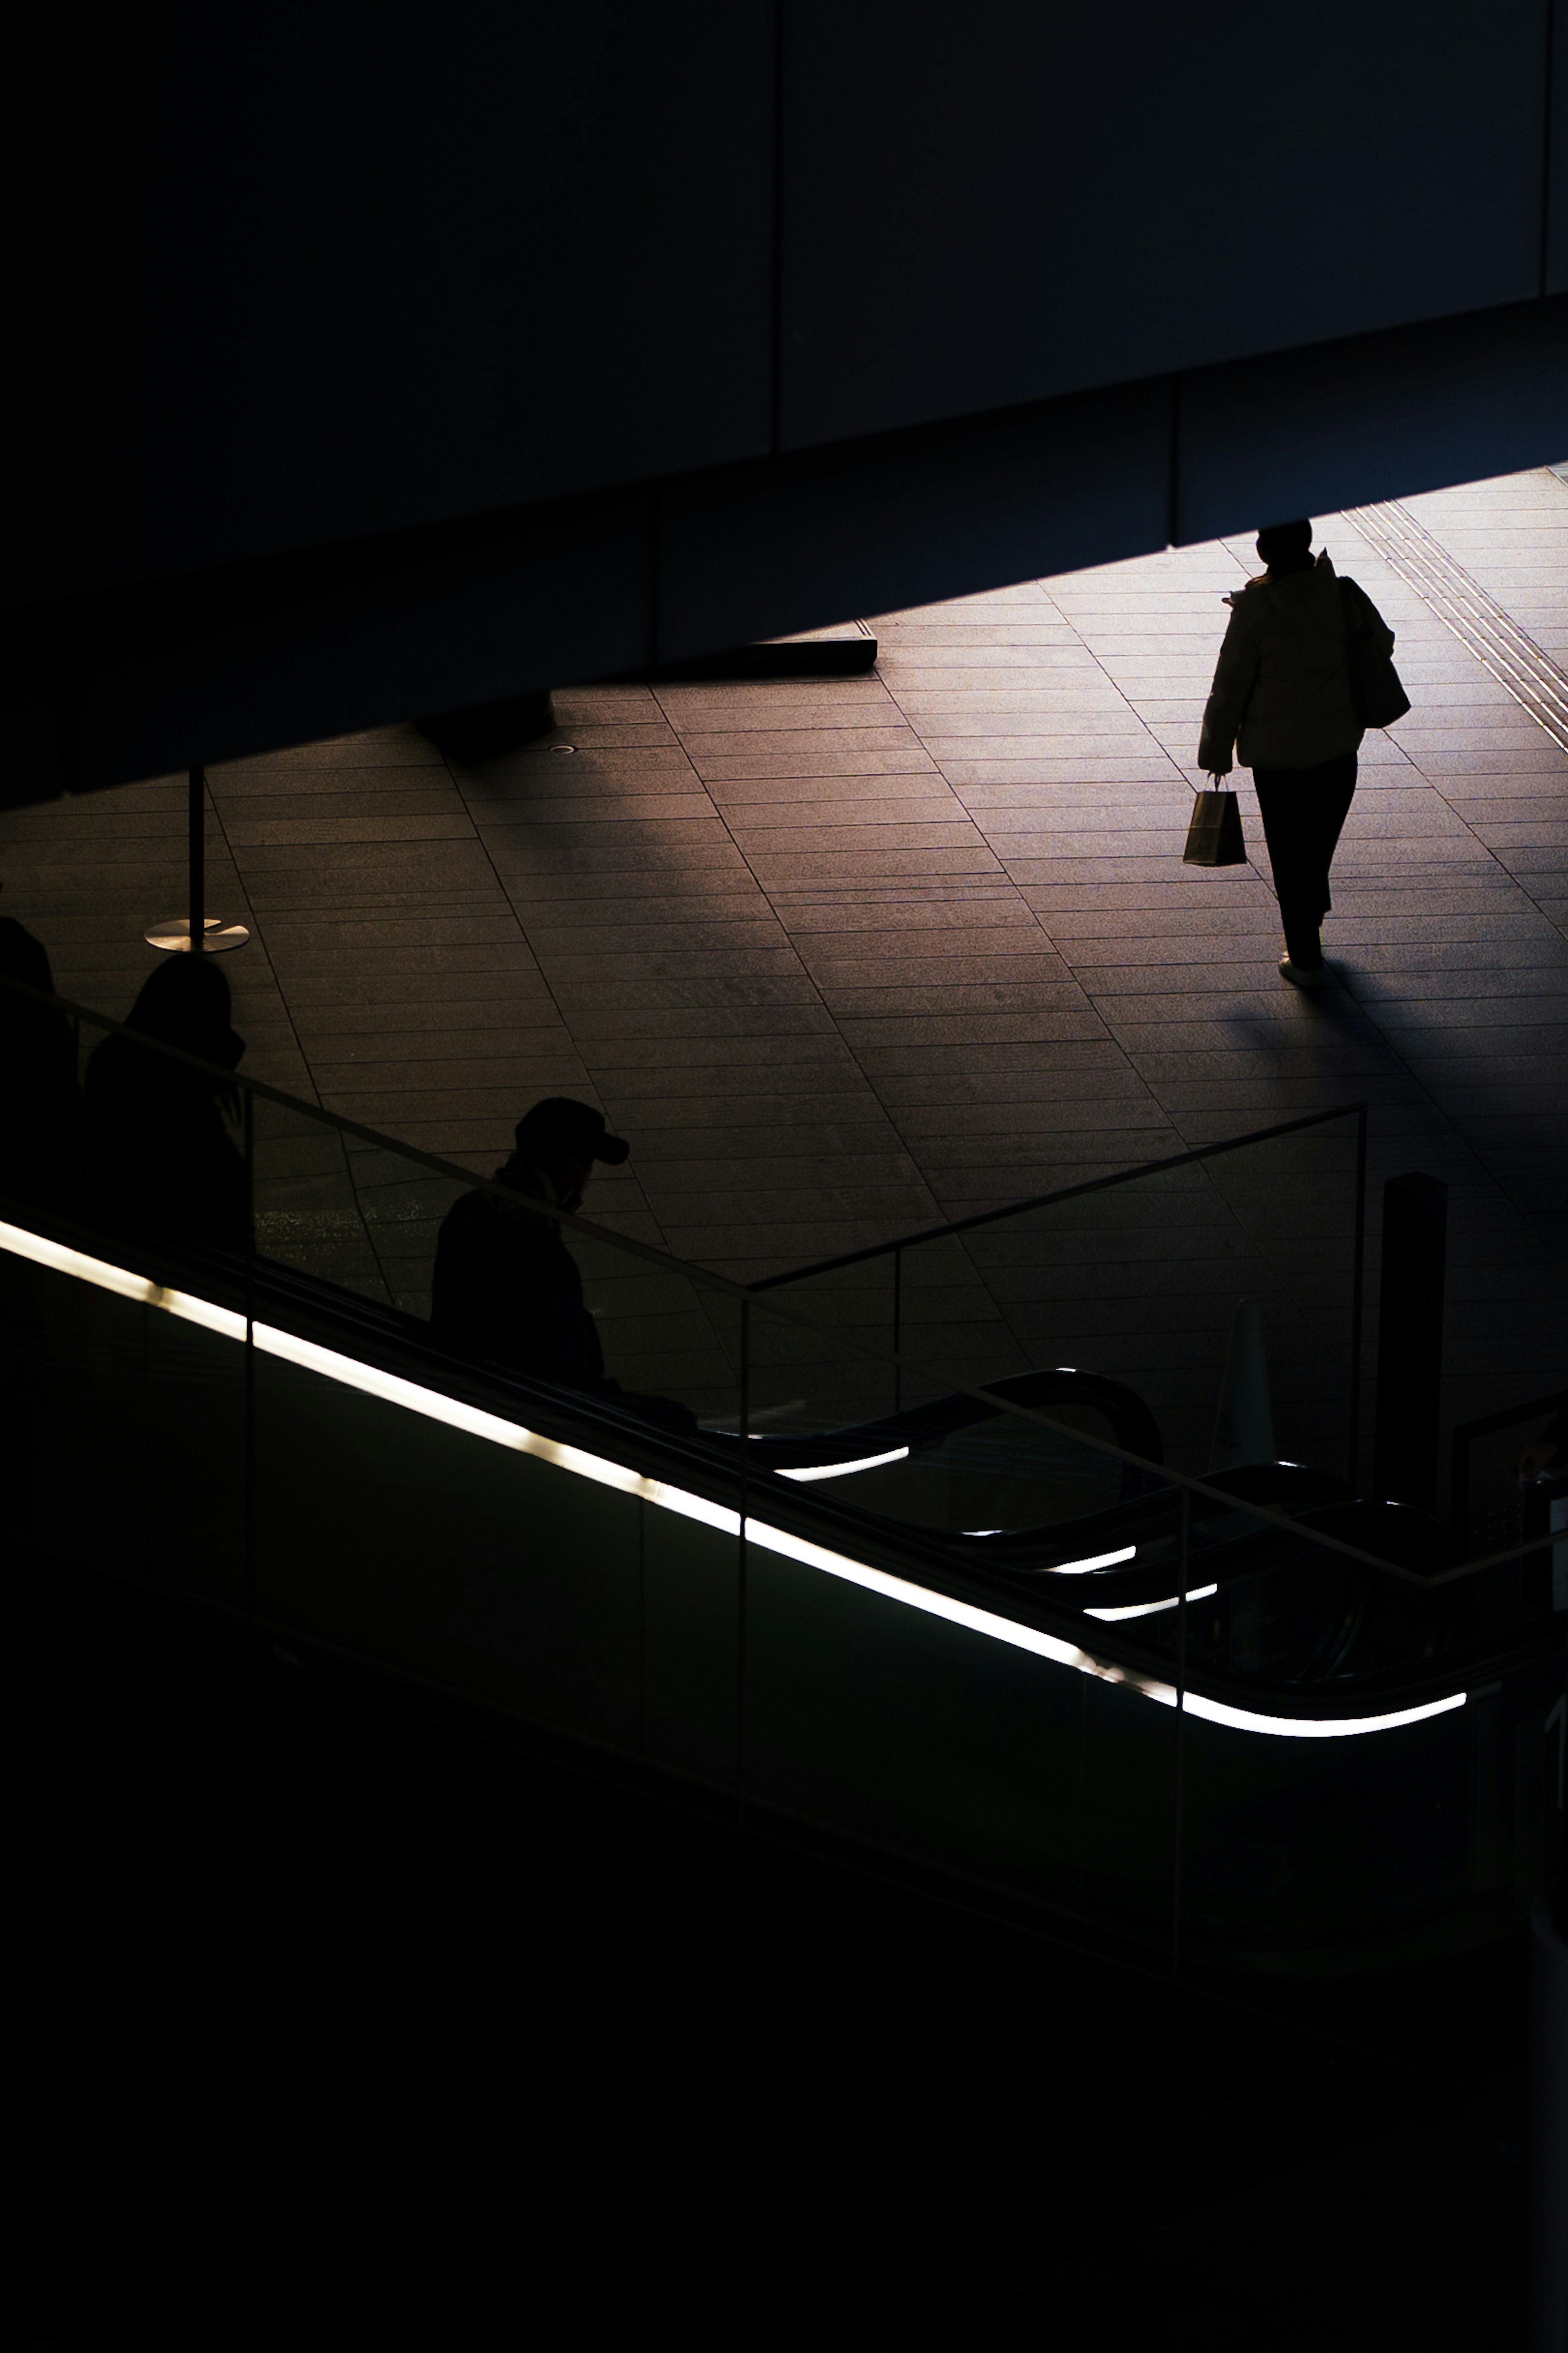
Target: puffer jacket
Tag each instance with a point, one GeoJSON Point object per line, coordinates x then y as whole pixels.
{"type": "Point", "coordinates": [1281, 694]}
{"type": "Point", "coordinates": [506, 1289]}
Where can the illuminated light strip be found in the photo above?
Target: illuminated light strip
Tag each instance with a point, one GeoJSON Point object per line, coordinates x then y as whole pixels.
{"type": "Point", "coordinates": [415, 1398]}
{"type": "Point", "coordinates": [1097, 1560]}
{"type": "Point", "coordinates": [842, 1469]}
{"type": "Point", "coordinates": [140, 1287]}
{"type": "Point", "coordinates": [1147, 1609]}
{"type": "Point", "coordinates": [1308, 1728]}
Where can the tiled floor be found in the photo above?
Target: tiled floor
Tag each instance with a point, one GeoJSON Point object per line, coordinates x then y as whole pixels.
{"type": "Point", "coordinates": [844, 958]}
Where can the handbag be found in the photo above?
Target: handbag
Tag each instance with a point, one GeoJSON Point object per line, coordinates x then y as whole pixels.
{"type": "Point", "coordinates": [1375, 690]}
{"type": "Point", "coordinates": [1213, 837]}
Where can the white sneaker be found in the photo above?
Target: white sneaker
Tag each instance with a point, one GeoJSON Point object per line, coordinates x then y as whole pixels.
{"type": "Point", "coordinates": [1299, 976]}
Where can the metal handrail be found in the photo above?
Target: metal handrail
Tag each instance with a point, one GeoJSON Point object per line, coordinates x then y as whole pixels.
{"type": "Point", "coordinates": [430, 1160]}
{"type": "Point", "coordinates": [896, 1248]}
{"type": "Point", "coordinates": [1463, 1436]}
{"type": "Point", "coordinates": [1046, 1200]}
{"type": "Point", "coordinates": [742, 1294]}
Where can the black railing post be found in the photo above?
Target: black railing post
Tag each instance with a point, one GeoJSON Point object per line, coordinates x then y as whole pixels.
{"type": "Point", "coordinates": [1181, 1734]}
{"type": "Point", "coordinates": [1358, 1301]}
{"type": "Point", "coordinates": [190, 933]}
{"type": "Point", "coordinates": [898, 1326]}
{"type": "Point", "coordinates": [250, 1493]}
{"type": "Point", "coordinates": [743, 1499]}
{"type": "Point", "coordinates": [1410, 1340]}
{"type": "Point", "coordinates": [1460, 1487]}
{"type": "Point", "coordinates": [197, 894]}
{"type": "Point", "coordinates": [1050, 1200]}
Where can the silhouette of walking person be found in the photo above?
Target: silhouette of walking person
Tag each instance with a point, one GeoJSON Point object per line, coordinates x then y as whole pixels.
{"type": "Point", "coordinates": [1283, 704]}
{"type": "Point", "coordinates": [42, 1127]}
{"type": "Point", "coordinates": [162, 1161]}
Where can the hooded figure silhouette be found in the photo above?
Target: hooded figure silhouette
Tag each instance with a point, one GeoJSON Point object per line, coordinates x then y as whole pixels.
{"type": "Point", "coordinates": [162, 1162]}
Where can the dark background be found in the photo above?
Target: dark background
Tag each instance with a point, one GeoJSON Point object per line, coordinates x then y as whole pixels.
{"type": "Point", "coordinates": [378, 360]}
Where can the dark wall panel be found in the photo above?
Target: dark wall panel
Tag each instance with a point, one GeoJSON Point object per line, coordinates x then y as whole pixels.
{"type": "Point", "coordinates": [144, 679]}
{"type": "Point", "coordinates": [329, 267]}
{"type": "Point", "coordinates": [864, 527]}
{"type": "Point", "coordinates": [1554, 236]}
{"type": "Point", "coordinates": [369, 357]}
{"type": "Point", "coordinates": [251, 657]}
{"type": "Point", "coordinates": [292, 274]}
{"type": "Point", "coordinates": [1311, 432]}
{"type": "Point", "coordinates": [996, 204]}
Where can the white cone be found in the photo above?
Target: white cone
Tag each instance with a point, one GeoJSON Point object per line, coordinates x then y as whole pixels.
{"type": "Point", "coordinates": [1244, 1427]}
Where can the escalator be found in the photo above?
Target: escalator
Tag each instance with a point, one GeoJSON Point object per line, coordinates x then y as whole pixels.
{"type": "Point", "coordinates": [987, 1633]}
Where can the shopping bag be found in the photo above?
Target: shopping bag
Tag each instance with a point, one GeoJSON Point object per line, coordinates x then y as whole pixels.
{"type": "Point", "coordinates": [1213, 837]}
{"type": "Point", "coordinates": [1376, 690]}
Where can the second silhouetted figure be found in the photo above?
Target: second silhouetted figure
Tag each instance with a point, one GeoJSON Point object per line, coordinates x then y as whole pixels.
{"type": "Point", "coordinates": [162, 1161]}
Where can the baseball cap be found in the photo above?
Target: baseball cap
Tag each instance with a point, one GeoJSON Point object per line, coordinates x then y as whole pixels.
{"type": "Point", "coordinates": [560, 1126]}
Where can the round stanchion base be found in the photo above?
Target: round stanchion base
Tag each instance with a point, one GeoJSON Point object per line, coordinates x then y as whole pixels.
{"type": "Point", "coordinates": [174, 937]}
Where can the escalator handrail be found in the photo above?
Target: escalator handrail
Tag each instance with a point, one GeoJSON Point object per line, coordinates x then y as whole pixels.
{"type": "Point", "coordinates": [911, 1558]}
{"type": "Point", "coordinates": [1047, 1200]}
{"type": "Point", "coordinates": [703, 1276]}
{"type": "Point", "coordinates": [927, 1424]}
{"type": "Point", "coordinates": [1463, 1436]}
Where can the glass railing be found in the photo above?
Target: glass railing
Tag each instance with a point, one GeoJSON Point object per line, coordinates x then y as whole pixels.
{"type": "Point", "coordinates": [956, 1608]}
{"type": "Point", "coordinates": [1230, 1276]}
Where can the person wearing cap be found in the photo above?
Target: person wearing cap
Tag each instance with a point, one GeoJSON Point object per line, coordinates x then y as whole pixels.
{"type": "Point", "coordinates": [506, 1288]}
{"type": "Point", "coordinates": [1282, 703]}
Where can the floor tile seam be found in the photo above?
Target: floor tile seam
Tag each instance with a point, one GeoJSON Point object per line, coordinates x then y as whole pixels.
{"type": "Point", "coordinates": [862, 1074]}
{"type": "Point", "coordinates": [893, 1119]}
{"type": "Point", "coordinates": [1483, 627]}
{"type": "Point", "coordinates": [1145, 725]}
{"type": "Point", "coordinates": [1034, 914]}
{"type": "Point", "coordinates": [566, 1029]}
{"type": "Point", "coordinates": [1486, 851]}
{"type": "Point", "coordinates": [257, 933]}
{"type": "Point", "coordinates": [1542, 907]}
{"type": "Point", "coordinates": [698, 785]}
{"type": "Point", "coordinates": [1368, 1015]}
{"type": "Point", "coordinates": [1435, 782]}
{"type": "Point", "coordinates": [1411, 1072]}
{"type": "Point", "coordinates": [1437, 554]}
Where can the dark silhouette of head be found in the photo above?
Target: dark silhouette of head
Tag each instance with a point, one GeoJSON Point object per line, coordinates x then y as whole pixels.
{"type": "Point", "coordinates": [560, 1133]}
{"type": "Point", "coordinates": [561, 1139]}
{"type": "Point", "coordinates": [184, 1002]}
{"type": "Point", "coordinates": [1285, 547]}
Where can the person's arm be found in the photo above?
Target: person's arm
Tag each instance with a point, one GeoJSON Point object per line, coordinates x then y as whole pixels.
{"type": "Point", "coordinates": [1235, 675]}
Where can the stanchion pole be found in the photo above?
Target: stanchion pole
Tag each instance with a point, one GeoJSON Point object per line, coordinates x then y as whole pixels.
{"type": "Point", "coordinates": [197, 929]}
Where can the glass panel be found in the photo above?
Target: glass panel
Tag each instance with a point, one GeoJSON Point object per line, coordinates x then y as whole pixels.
{"type": "Point", "coordinates": [127, 1429]}
{"type": "Point", "coordinates": [129, 1425]}
{"type": "Point", "coordinates": [1141, 1283]}
{"type": "Point", "coordinates": [954, 1625]}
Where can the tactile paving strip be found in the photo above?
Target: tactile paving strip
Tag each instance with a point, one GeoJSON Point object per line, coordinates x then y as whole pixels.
{"type": "Point", "coordinates": [1462, 605]}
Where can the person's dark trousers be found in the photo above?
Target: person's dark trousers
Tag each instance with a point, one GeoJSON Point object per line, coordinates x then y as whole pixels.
{"type": "Point", "coordinates": [1303, 811]}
